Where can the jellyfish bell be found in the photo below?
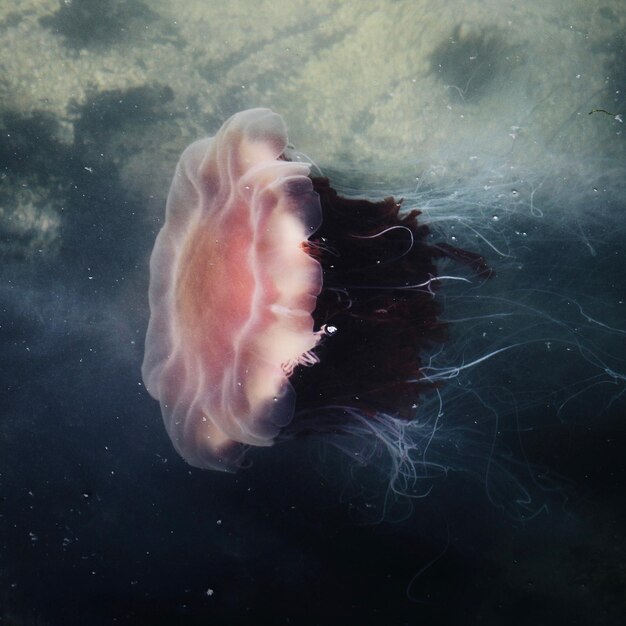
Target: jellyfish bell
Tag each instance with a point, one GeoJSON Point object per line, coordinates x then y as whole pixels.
{"type": "Point", "coordinates": [231, 291]}
{"type": "Point", "coordinates": [280, 308]}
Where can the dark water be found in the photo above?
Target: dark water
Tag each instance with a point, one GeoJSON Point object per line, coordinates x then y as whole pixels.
{"type": "Point", "coordinates": [102, 523]}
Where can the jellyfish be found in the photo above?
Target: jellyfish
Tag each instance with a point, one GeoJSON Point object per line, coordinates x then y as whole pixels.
{"type": "Point", "coordinates": [281, 308]}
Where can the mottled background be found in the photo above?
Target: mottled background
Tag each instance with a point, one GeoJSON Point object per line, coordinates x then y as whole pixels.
{"type": "Point", "coordinates": [477, 112]}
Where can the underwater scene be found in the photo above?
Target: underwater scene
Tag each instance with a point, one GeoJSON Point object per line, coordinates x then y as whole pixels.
{"type": "Point", "coordinates": [312, 313]}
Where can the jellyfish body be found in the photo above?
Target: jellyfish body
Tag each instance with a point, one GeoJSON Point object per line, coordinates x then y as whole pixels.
{"type": "Point", "coordinates": [278, 307]}
{"type": "Point", "coordinates": [232, 291]}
